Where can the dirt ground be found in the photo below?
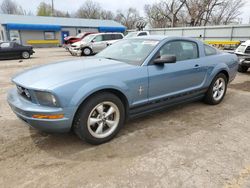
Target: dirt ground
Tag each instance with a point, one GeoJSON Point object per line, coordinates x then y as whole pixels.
{"type": "Point", "coordinates": [193, 145]}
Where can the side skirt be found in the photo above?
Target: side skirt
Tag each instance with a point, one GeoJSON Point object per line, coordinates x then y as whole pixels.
{"type": "Point", "coordinates": [163, 104]}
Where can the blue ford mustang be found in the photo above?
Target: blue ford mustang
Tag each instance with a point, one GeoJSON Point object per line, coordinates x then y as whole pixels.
{"type": "Point", "coordinates": [94, 96]}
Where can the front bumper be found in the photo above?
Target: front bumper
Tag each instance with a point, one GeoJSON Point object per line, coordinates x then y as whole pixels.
{"type": "Point", "coordinates": [245, 63]}
{"type": "Point", "coordinates": [25, 109]}
{"type": "Point", "coordinates": [75, 52]}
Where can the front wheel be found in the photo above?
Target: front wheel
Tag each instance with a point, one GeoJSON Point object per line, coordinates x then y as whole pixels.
{"type": "Point", "coordinates": [100, 118]}
{"type": "Point", "coordinates": [25, 55]}
{"type": "Point", "coordinates": [217, 90]}
{"type": "Point", "coordinates": [86, 51]}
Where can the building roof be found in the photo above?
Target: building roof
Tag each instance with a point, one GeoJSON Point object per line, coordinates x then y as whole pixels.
{"type": "Point", "coordinates": [58, 21]}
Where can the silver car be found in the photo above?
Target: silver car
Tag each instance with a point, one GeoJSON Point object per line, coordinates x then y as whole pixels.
{"type": "Point", "coordinates": [94, 43]}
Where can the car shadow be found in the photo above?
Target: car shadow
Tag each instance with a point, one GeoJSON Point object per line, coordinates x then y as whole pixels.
{"type": "Point", "coordinates": [137, 137]}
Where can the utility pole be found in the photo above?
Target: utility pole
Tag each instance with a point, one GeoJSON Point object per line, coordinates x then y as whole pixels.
{"type": "Point", "coordinates": [52, 7]}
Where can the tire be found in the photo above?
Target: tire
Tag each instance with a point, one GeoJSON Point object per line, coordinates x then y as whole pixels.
{"type": "Point", "coordinates": [219, 86]}
{"type": "Point", "coordinates": [25, 55]}
{"type": "Point", "coordinates": [95, 122]}
{"type": "Point", "coordinates": [242, 69]}
{"type": "Point", "coordinates": [86, 51]}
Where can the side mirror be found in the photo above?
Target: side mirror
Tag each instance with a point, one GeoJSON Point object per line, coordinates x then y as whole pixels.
{"type": "Point", "coordinates": [165, 59]}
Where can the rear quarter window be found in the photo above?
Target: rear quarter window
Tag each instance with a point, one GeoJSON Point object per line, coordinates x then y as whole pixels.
{"type": "Point", "coordinates": [209, 50]}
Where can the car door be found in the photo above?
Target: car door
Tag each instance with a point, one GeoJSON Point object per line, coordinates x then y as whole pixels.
{"type": "Point", "coordinates": [98, 43]}
{"type": "Point", "coordinates": [5, 50]}
{"type": "Point", "coordinates": [185, 75]}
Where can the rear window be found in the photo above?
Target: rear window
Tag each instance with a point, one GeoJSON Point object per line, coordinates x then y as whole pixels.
{"type": "Point", "coordinates": [209, 50]}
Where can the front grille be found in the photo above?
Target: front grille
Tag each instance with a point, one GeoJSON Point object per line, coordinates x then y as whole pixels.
{"type": "Point", "coordinates": [24, 92]}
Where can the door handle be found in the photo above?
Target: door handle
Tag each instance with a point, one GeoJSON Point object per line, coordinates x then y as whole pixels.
{"type": "Point", "coordinates": [196, 66]}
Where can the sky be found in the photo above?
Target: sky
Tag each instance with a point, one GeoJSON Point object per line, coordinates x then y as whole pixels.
{"type": "Point", "coordinates": [113, 5]}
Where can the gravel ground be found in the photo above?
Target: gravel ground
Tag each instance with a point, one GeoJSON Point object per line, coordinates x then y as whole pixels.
{"type": "Point", "coordinates": [193, 145]}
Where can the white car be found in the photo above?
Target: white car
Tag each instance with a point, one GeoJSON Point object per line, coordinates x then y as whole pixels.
{"type": "Point", "coordinates": [94, 43]}
{"type": "Point", "coordinates": [137, 34]}
{"type": "Point", "coordinates": [243, 52]}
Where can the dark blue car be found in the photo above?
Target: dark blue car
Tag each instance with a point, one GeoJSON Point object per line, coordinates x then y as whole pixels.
{"type": "Point", "coordinates": [94, 96]}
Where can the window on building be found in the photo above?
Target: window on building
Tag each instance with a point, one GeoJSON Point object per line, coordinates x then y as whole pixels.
{"type": "Point", "coordinates": [49, 35]}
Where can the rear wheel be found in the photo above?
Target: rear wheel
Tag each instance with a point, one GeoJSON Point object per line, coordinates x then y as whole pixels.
{"type": "Point", "coordinates": [25, 55]}
{"type": "Point", "coordinates": [100, 118]}
{"type": "Point", "coordinates": [242, 69]}
{"type": "Point", "coordinates": [217, 90]}
{"type": "Point", "coordinates": [86, 51]}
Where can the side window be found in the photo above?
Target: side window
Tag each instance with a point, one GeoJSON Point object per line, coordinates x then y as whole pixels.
{"type": "Point", "coordinates": [107, 37]}
{"type": "Point", "coordinates": [116, 36]}
{"type": "Point", "coordinates": [209, 50]}
{"type": "Point", "coordinates": [98, 38]}
{"type": "Point", "coordinates": [183, 50]}
{"type": "Point", "coordinates": [5, 45]}
{"type": "Point", "coordinates": [142, 34]}
{"type": "Point", "coordinates": [247, 50]}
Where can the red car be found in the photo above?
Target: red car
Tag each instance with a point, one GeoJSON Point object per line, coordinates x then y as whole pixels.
{"type": "Point", "coordinates": [72, 39]}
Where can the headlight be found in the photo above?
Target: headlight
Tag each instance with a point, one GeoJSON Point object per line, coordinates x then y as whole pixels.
{"type": "Point", "coordinates": [46, 98]}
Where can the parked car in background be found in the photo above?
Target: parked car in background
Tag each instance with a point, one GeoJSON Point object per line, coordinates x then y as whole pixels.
{"type": "Point", "coordinates": [137, 34]}
{"type": "Point", "coordinates": [243, 52]}
{"type": "Point", "coordinates": [133, 77]}
{"type": "Point", "coordinates": [72, 39]}
{"type": "Point", "coordinates": [11, 50]}
{"type": "Point", "coordinates": [94, 43]}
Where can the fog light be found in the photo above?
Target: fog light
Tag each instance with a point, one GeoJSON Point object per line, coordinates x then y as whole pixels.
{"type": "Point", "coordinates": [42, 116]}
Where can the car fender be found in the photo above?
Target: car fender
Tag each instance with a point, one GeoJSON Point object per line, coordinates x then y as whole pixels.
{"type": "Point", "coordinates": [216, 70]}
{"type": "Point", "coordinates": [96, 85]}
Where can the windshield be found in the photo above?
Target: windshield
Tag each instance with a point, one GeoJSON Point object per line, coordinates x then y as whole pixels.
{"type": "Point", "coordinates": [80, 35]}
{"type": "Point", "coordinates": [130, 35]}
{"type": "Point", "coordinates": [88, 38]}
{"type": "Point", "coordinates": [241, 48]}
{"type": "Point", "coordinates": [132, 51]}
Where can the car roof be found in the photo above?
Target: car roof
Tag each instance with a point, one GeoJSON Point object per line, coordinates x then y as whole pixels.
{"type": "Point", "coordinates": [247, 43]}
{"type": "Point", "coordinates": [94, 34]}
{"type": "Point", "coordinates": [163, 37]}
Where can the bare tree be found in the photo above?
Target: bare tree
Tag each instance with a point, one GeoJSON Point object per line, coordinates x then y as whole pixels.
{"type": "Point", "coordinates": [128, 17]}
{"type": "Point", "coordinates": [107, 15]}
{"type": "Point", "coordinates": [89, 9]}
{"type": "Point", "coordinates": [11, 7]}
{"type": "Point", "coordinates": [172, 13]}
{"type": "Point", "coordinates": [199, 11]}
{"type": "Point", "coordinates": [227, 12]}
{"type": "Point", "coordinates": [164, 13]}
{"type": "Point", "coordinates": [156, 16]}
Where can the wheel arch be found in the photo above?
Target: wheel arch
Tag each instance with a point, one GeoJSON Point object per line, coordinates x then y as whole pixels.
{"type": "Point", "coordinates": [116, 92]}
{"type": "Point", "coordinates": [225, 73]}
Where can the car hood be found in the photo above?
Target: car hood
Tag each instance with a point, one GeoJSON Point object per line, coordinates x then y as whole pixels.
{"type": "Point", "coordinates": [79, 43]}
{"type": "Point", "coordinates": [47, 77]}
